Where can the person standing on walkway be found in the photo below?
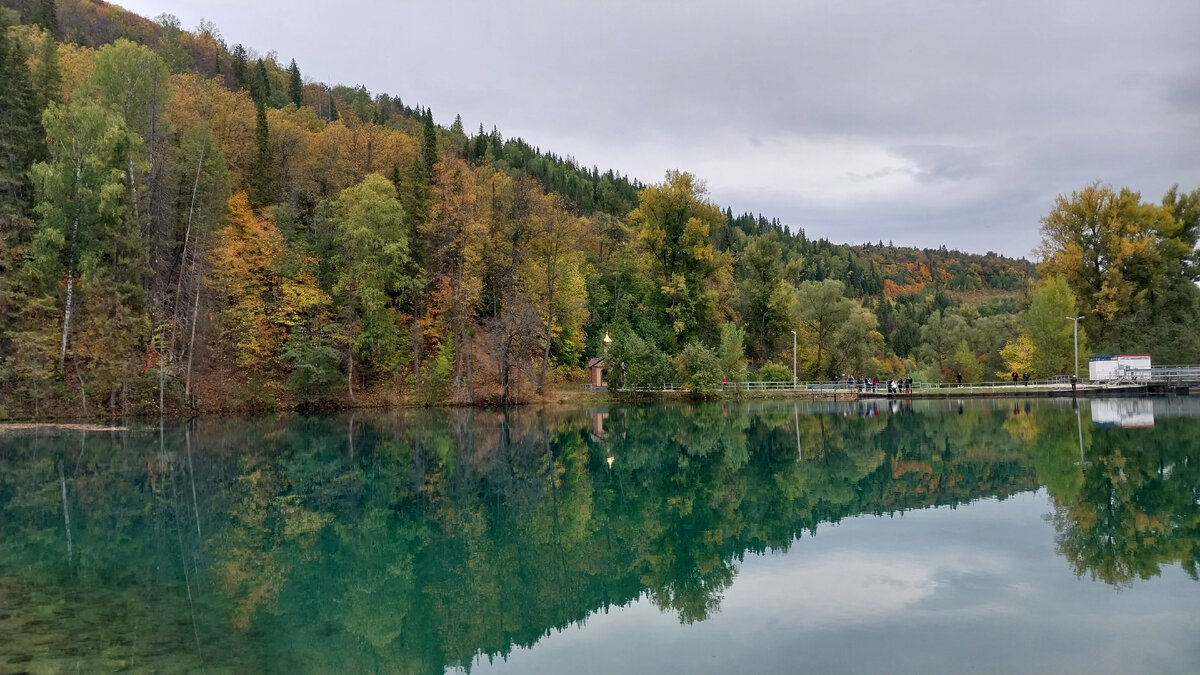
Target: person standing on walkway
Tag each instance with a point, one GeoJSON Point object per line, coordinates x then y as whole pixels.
{"type": "Point", "coordinates": [1025, 377]}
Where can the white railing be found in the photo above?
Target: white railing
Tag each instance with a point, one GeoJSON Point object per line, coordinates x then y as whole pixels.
{"type": "Point", "coordinates": [1057, 383]}
{"type": "Point", "coordinates": [1179, 374]}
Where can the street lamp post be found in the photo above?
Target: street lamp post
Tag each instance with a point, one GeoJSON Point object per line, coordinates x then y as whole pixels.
{"type": "Point", "coordinates": [793, 360]}
{"type": "Point", "coordinates": [1075, 320]}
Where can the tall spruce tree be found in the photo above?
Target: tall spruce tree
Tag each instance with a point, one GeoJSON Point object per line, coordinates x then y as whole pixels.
{"type": "Point", "coordinates": [261, 182]}
{"type": "Point", "coordinates": [20, 146]}
{"type": "Point", "coordinates": [240, 67]}
{"type": "Point", "coordinates": [295, 86]}
{"type": "Point", "coordinates": [20, 131]}
{"type": "Point", "coordinates": [44, 13]}
{"type": "Point", "coordinates": [429, 148]}
{"type": "Point", "coordinates": [47, 78]}
{"type": "Point", "coordinates": [260, 87]}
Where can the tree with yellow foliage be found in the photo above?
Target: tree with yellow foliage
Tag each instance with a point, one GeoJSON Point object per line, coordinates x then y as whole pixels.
{"type": "Point", "coordinates": [244, 275]}
{"type": "Point", "coordinates": [674, 220]}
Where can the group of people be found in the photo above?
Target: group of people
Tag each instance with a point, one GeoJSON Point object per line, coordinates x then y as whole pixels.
{"type": "Point", "coordinates": [1024, 377]}
{"type": "Point", "coordinates": [871, 384]}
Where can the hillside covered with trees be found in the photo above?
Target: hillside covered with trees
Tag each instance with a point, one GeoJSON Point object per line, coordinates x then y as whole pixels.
{"type": "Point", "coordinates": [190, 225]}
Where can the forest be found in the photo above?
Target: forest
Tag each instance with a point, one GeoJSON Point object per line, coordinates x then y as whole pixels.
{"type": "Point", "coordinates": [192, 226]}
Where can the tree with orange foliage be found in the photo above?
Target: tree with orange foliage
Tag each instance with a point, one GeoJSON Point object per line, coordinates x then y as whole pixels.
{"type": "Point", "coordinates": [245, 277]}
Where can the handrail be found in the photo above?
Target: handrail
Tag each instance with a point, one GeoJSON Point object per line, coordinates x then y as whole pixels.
{"type": "Point", "coordinates": [860, 386]}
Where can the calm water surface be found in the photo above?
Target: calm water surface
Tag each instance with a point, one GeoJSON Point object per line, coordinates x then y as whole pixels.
{"type": "Point", "coordinates": [945, 537]}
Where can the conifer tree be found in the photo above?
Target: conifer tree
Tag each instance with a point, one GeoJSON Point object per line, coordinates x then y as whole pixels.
{"type": "Point", "coordinates": [429, 149]}
{"type": "Point", "coordinates": [19, 130]}
{"type": "Point", "coordinates": [295, 86]}
{"type": "Point", "coordinates": [239, 66]}
{"type": "Point", "coordinates": [395, 178]}
{"type": "Point", "coordinates": [20, 146]}
{"type": "Point", "coordinates": [44, 14]}
{"type": "Point", "coordinates": [261, 87]}
{"type": "Point", "coordinates": [48, 77]}
{"type": "Point", "coordinates": [261, 183]}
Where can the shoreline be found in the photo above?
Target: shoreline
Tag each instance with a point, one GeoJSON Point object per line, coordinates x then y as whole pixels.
{"type": "Point", "coordinates": [575, 397]}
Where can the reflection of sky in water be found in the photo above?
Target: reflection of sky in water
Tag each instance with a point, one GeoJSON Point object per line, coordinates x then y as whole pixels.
{"type": "Point", "coordinates": [977, 589]}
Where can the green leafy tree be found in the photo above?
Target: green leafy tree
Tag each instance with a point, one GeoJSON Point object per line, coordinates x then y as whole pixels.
{"type": "Point", "coordinates": [674, 221]}
{"type": "Point", "coordinates": [433, 381]}
{"type": "Point", "coordinates": [966, 363]}
{"type": "Point", "coordinates": [80, 201]}
{"type": "Point", "coordinates": [699, 368]}
{"type": "Point", "coordinates": [731, 353]}
{"type": "Point", "coordinates": [132, 80]}
{"type": "Point", "coordinates": [940, 337]}
{"type": "Point", "coordinates": [855, 342]}
{"type": "Point", "coordinates": [765, 295]}
{"type": "Point", "coordinates": [634, 362]}
{"type": "Point", "coordinates": [314, 363]}
{"type": "Point", "coordinates": [1052, 334]}
{"type": "Point", "coordinates": [822, 308]}
{"type": "Point", "coordinates": [376, 273]}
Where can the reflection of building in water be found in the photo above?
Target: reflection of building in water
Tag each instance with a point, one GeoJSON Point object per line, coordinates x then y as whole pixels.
{"type": "Point", "coordinates": [597, 430]}
{"type": "Point", "coordinates": [1127, 413]}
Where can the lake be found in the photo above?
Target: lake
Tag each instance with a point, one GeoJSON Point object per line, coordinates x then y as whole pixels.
{"type": "Point", "coordinates": [974, 536]}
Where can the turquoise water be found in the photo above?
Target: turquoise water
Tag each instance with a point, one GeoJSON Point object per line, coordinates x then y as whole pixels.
{"type": "Point", "coordinates": [955, 537]}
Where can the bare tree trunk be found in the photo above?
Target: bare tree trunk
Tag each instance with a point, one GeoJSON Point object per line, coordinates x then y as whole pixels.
{"type": "Point", "coordinates": [416, 347]}
{"type": "Point", "coordinates": [466, 342]}
{"type": "Point", "coordinates": [62, 352]}
{"type": "Point", "coordinates": [82, 387]}
{"type": "Point", "coordinates": [551, 278]}
{"type": "Point", "coordinates": [187, 235]}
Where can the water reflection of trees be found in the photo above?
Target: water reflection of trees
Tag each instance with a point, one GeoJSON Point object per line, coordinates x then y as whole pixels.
{"type": "Point", "coordinates": [1136, 507]}
{"type": "Point", "coordinates": [411, 542]}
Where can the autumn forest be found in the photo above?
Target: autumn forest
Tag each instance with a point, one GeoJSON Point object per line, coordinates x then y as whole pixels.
{"type": "Point", "coordinates": [189, 225]}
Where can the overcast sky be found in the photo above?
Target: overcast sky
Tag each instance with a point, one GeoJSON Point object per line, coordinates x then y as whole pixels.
{"type": "Point", "coordinates": [923, 123]}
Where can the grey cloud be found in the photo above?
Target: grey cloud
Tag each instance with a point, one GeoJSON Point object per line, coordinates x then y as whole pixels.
{"type": "Point", "coordinates": [990, 102]}
{"type": "Point", "coordinates": [948, 162]}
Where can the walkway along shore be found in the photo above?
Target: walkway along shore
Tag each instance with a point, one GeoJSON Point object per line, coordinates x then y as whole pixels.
{"type": "Point", "coordinates": [840, 391]}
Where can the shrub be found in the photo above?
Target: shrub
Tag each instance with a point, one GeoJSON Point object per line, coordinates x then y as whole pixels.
{"type": "Point", "coordinates": [774, 372]}
{"type": "Point", "coordinates": [699, 368]}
